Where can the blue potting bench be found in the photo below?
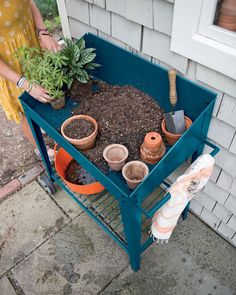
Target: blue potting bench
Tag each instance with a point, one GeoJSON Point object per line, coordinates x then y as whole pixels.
{"type": "Point", "coordinates": [119, 211]}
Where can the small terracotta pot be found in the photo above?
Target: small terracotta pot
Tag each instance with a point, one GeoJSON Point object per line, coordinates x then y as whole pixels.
{"type": "Point", "coordinates": [227, 25]}
{"type": "Point", "coordinates": [153, 148]}
{"type": "Point", "coordinates": [228, 7]}
{"type": "Point", "coordinates": [85, 143]}
{"type": "Point", "coordinates": [227, 15]}
{"type": "Point", "coordinates": [227, 18]}
{"type": "Point", "coordinates": [134, 172]}
{"type": "Point", "coordinates": [171, 138]}
{"type": "Point", "coordinates": [58, 103]}
{"type": "Point", "coordinates": [115, 155]}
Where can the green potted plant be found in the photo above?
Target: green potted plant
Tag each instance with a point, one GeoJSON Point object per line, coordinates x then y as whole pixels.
{"type": "Point", "coordinates": [46, 69]}
{"type": "Point", "coordinates": [79, 60]}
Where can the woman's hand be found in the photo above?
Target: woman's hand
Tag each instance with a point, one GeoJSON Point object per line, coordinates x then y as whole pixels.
{"type": "Point", "coordinates": [47, 42]}
{"type": "Point", "coordinates": [38, 92]}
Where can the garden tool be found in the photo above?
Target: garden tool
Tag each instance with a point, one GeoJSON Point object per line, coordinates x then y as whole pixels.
{"type": "Point", "coordinates": [175, 122]}
{"type": "Point", "coordinates": [181, 192]}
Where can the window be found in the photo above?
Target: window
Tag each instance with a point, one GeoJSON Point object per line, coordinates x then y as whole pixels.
{"type": "Point", "coordinates": [197, 36]}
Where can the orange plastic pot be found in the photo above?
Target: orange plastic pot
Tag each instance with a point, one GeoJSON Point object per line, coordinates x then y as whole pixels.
{"type": "Point", "coordinates": [62, 160]}
{"type": "Point", "coordinates": [171, 138]}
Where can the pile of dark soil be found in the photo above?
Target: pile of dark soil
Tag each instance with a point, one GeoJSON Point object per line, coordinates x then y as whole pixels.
{"type": "Point", "coordinates": [78, 175]}
{"type": "Point", "coordinates": [79, 90]}
{"type": "Point", "coordinates": [124, 115]}
{"type": "Point", "coordinates": [78, 129]}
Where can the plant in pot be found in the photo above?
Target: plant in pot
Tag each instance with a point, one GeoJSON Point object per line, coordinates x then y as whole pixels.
{"type": "Point", "coordinates": [45, 68]}
{"type": "Point", "coordinates": [79, 62]}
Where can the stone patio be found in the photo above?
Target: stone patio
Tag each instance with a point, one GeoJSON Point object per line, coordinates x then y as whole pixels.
{"type": "Point", "coordinates": [48, 245]}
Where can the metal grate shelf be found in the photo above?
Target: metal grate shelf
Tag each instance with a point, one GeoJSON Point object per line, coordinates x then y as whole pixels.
{"type": "Point", "coordinates": [101, 207]}
{"type": "Point", "coordinates": [106, 210]}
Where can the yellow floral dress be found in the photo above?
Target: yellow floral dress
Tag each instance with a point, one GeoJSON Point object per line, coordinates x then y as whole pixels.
{"type": "Point", "coordinates": [16, 29]}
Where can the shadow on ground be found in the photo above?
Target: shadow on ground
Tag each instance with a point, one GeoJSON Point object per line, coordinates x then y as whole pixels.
{"type": "Point", "coordinates": [49, 246]}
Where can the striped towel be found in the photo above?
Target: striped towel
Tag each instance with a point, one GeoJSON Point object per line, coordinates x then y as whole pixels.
{"type": "Point", "coordinates": [182, 191]}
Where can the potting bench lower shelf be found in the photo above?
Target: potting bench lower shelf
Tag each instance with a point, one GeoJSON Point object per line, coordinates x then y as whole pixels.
{"type": "Point", "coordinates": [105, 210]}
{"type": "Point", "coordinates": [122, 213]}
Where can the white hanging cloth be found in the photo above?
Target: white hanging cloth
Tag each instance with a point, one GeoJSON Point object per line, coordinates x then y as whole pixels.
{"type": "Point", "coordinates": [181, 191]}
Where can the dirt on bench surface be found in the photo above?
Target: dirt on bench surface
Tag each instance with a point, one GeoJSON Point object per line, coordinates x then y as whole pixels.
{"type": "Point", "coordinates": [124, 115]}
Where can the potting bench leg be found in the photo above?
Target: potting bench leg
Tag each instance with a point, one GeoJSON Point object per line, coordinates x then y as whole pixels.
{"type": "Point", "coordinates": [185, 212]}
{"type": "Point", "coordinates": [35, 129]}
{"type": "Point", "coordinates": [131, 218]}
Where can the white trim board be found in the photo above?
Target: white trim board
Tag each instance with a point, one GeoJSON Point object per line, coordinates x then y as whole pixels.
{"type": "Point", "coordinates": [189, 42]}
{"type": "Point", "coordinates": [61, 4]}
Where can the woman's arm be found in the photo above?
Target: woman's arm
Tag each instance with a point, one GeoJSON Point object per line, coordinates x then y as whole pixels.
{"type": "Point", "coordinates": [46, 41]}
{"type": "Point", "coordinates": [8, 73]}
{"type": "Point", "coordinates": [38, 20]}
{"type": "Point", "coordinates": [37, 91]}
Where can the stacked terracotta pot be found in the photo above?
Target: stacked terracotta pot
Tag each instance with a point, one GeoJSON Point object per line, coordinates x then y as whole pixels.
{"type": "Point", "coordinates": [227, 15]}
{"type": "Point", "coordinates": [153, 148]}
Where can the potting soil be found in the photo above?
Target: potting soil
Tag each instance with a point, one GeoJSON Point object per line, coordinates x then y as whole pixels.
{"type": "Point", "coordinates": [77, 174]}
{"type": "Point", "coordinates": [78, 129]}
{"type": "Point", "coordinates": [124, 115]}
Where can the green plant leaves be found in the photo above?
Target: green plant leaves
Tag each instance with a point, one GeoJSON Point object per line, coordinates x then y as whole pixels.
{"type": "Point", "coordinates": [91, 66]}
{"type": "Point", "coordinates": [79, 60]}
{"type": "Point", "coordinates": [45, 68]}
{"type": "Point", "coordinates": [52, 70]}
{"type": "Point", "coordinates": [87, 56]}
{"type": "Point", "coordinates": [76, 53]}
{"type": "Point", "coordinates": [80, 43]}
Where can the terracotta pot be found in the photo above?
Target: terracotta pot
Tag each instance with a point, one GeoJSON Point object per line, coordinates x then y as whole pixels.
{"type": "Point", "coordinates": [227, 15]}
{"type": "Point", "coordinates": [115, 155]}
{"type": "Point", "coordinates": [58, 103]}
{"type": "Point", "coordinates": [228, 26]}
{"type": "Point", "coordinates": [134, 172]}
{"type": "Point", "coordinates": [227, 18]}
{"type": "Point", "coordinates": [171, 138]}
{"type": "Point", "coordinates": [85, 143]}
{"type": "Point", "coordinates": [228, 7]}
{"type": "Point", "coordinates": [153, 148]}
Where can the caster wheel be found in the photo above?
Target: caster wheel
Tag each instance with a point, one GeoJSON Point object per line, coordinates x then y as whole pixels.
{"type": "Point", "coordinates": [47, 184]}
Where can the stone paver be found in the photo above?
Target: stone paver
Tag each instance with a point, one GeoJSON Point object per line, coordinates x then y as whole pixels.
{"type": "Point", "coordinates": [9, 188]}
{"type": "Point", "coordinates": [27, 218]}
{"type": "Point", "coordinates": [66, 203]}
{"type": "Point", "coordinates": [31, 175]}
{"type": "Point", "coordinates": [6, 287]}
{"type": "Point", "coordinates": [80, 259]}
{"type": "Point", "coordinates": [195, 261]}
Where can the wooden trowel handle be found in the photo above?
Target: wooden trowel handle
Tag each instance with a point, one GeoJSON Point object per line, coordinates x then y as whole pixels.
{"type": "Point", "coordinates": [172, 80]}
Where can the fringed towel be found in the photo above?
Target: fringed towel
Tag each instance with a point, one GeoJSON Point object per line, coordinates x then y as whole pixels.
{"type": "Point", "coordinates": [182, 191]}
